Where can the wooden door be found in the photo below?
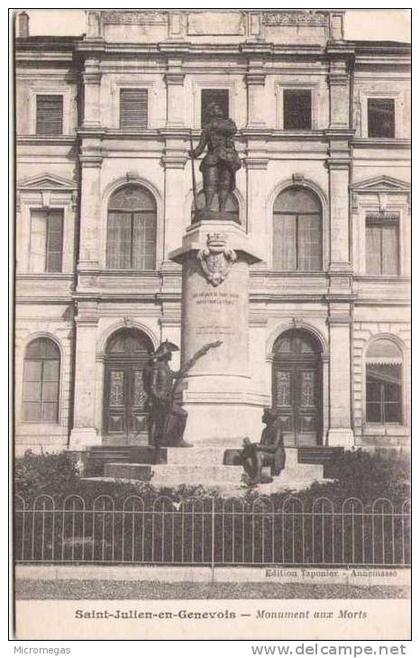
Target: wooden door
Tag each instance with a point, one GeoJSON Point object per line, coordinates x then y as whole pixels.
{"type": "Point", "coordinates": [297, 388]}
{"type": "Point", "coordinates": [125, 412]}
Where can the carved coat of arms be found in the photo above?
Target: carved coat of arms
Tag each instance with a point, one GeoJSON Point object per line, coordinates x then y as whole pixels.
{"type": "Point", "coordinates": [216, 259]}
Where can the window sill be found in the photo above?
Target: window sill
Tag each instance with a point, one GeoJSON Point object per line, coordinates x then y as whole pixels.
{"type": "Point", "coordinates": [24, 427]}
{"type": "Point", "coordinates": [45, 275]}
{"type": "Point", "coordinates": [24, 139]}
{"type": "Point", "coordinates": [390, 142]}
{"type": "Point", "coordinates": [300, 273]}
{"type": "Point", "coordinates": [380, 278]}
{"type": "Point", "coordinates": [386, 430]}
{"type": "Point", "coordinates": [109, 272]}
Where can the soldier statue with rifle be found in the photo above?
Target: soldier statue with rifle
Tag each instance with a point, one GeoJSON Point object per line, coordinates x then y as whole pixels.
{"type": "Point", "coordinates": [167, 419]}
{"type": "Point", "coordinates": [221, 162]}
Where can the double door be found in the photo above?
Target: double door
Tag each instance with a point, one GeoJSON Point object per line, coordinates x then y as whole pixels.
{"type": "Point", "coordinates": [297, 398]}
{"type": "Point", "coordinates": [125, 414]}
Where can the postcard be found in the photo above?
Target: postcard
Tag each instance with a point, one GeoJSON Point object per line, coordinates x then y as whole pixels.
{"type": "Point", "coordinates": [212, 324]}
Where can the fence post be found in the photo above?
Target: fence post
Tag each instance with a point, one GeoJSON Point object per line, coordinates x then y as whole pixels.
{"type": "Point", "coordinates": [212, 539]}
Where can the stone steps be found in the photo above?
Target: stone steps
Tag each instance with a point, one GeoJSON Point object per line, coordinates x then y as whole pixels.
{"type": "Point", "coordinates": [204, 466]}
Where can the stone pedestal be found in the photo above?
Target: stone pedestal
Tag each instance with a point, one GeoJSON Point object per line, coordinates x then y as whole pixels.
{"type": "Point", "coordinates": [222, 408]}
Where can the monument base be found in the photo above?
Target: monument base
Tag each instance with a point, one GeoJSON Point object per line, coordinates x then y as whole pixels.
{"type": "Point", "coordinates": [222, 409]}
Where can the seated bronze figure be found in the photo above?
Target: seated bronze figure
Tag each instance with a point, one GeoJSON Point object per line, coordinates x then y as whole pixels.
{"type": "Point", "coordinates": [268, 453]}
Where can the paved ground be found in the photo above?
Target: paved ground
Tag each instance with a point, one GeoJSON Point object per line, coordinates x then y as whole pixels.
{"type": "Point", "coordinates": [100, 589]}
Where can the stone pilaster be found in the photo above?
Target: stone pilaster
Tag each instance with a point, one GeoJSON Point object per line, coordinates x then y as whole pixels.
{"type": "Point", "coordinates": [92, 93]}
{"type": "Point", "coordinates": [339, 180]}
{"type": "Point", "coordinates": [174, 161]}
{"type": "Point", "coordinates": [340, 297]}
{"type": "Point", "coordinates": [255, 81]}
{"type": "Point", "coordinates": [175, 94]}
{"type": "Point", "coordinates": [340, 432]}
{"type": "Point", "coordinates": [84, 433]}
{"type": "Point", "coordinates": [90, 210]}
{"type": "Point", "coordinates": [256, 172]}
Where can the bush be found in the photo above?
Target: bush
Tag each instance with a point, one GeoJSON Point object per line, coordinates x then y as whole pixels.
{"type": "Point", "coordinates": [356, 474]}
{"type": "Point", "coordinates": [45, 473]}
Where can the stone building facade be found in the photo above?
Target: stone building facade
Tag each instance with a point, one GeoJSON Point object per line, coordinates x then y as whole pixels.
{"type": "Point", "coordinates": [104, 195]}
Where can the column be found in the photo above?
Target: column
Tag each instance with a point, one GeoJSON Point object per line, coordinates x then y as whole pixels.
{"type": "Point", "coordinates": [336, 25]}
{"type": "Point", "coordinates": [174, 161]}
{"type": "Point", "coordinates": [340, 297]}
{"type": "Point", "coordinates": [340, 432]}
{"type": "Point", "coordinates": [84, 433]}
{"type": "Point", "coordinates": [92, 93]}
{"type": "Point", "coordinates": [339, 83]}
{"type": "Point", "coordinates": [90, 207]}
{"type": "Point", "coordinates": [175, 96]}
{"type": "Point", "coordinates": [256, 172]}
{"type": "Point", "coordinates": [255, 80]}
{"type": "Point", "coordinates": [215, 257]}
{"type": "Point", "coordinates": [339, 179]}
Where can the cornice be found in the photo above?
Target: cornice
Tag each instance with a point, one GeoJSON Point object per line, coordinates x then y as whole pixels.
{"type": "Point", "coordinates": [44, 300]}
{"type": "Point", "coordinates": [376, 142]}
{"type": "Point", "coordinates": [46, 139]}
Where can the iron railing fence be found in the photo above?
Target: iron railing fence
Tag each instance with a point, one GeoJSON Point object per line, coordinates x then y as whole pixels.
{"type": "Point", "coordinates": [209, 531]}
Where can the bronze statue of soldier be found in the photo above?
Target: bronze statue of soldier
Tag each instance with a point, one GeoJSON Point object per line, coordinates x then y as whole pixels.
{"type": "Point", "coordinates": [221, 162]}
{"type": "Point", "coordinates": [269, 452]}
{"type": "Point", "coordinates": [167, 419]}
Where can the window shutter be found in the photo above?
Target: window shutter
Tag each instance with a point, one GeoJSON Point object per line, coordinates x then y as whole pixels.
{"type": "Point", "coordinates": [373, 249]}
{"type": "Point", "coordinates": [38, 241]}
{"type": "Point", "coordinates": [297, 110]}
{"type": "Point", "coordinates": [284, 242]}
{"type": "Point", "coordinates": [309, 243]}
{"type": "Point", "coordinates": [133, 108]}
{"type": "Point", "coordinates": [382, 244]}
{"type": "Point", "coordinates": [119, 241]}
{"type": "Point", "coordinates": [390, 260]}
{"type": "Point", "coordinates": [381, 117]}
{"type": "Point", "coordinates": [49, 115]}
{"type": "Point", "coordinates": [54, 260]}
{"type": "Point", "coordinates": [144, 241]}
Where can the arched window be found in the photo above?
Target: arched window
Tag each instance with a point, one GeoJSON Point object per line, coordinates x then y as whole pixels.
{"type": "Point", "coordinates": [383, 382]}
{"type": "Point", "coordinates": [297, 231]}
{"type": "Point", "coordinates": [41, 378]}
{"type": "Point", "coordinates": [131, 235]}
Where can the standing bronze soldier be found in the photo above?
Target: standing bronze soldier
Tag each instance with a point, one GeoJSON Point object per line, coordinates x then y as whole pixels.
{"type": "Point", "coordinates": [221, 162]}
{"type": "Point", "coordinates": [167, 419]}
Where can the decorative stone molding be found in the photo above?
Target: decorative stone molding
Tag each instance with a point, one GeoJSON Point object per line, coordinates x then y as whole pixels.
{"type": "Point", "coordinates": [174, 161]}
{"type": "Point", "coordinates": [216, 259]}
{"type": "Point", "coordinates": [340, 320]}
{"type": "Point", "coordinates": [91, 160]}
{"type": "Point", "coordinates": [295, 18]}
{"type": "Point", "coordinates": [256, 78]}
{"type": "Point", "coordinates": [174, 78]}
{"type": "Point", "coordinates": [256, 163]}
{"type": "Point", "coordinates": [134, 17]}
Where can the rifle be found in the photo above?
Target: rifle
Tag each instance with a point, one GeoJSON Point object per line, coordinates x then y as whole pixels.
{"type": "Point", "coordinates": [194, 186]}
{"type": "Point", "coordinates": [183, 371]}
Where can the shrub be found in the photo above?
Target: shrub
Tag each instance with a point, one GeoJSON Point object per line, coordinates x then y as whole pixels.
{"type": "Point", "coordinates": [357, 474]}
{"type": "Point", "coordinates": [45, 473]}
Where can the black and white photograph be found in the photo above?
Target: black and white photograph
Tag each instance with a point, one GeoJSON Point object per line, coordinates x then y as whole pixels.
{"type": "Point", "coordinates": [211, 332]}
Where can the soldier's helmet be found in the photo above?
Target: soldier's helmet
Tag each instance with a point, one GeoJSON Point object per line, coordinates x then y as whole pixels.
{"type": "Point", "coordinates": [165, 348]}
